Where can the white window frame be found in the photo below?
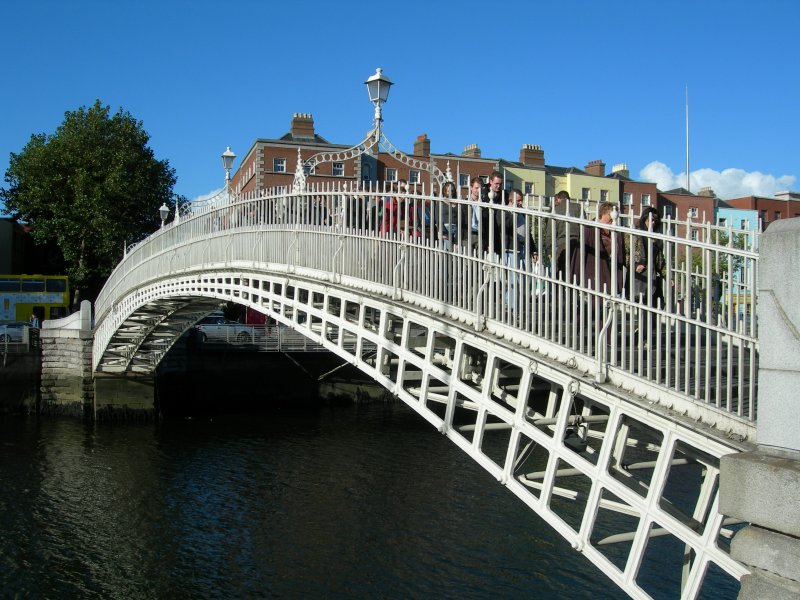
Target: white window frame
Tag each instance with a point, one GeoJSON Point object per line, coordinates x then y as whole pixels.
{"type": "Point", "coordinates": [279, 165]}
{"type": "Point", "coordinates": [391, 174]}
{"type": "Point", "coordinates": [463, 180]}
{"type": "Point", "coordinates": [338, 169]}
{"type": "Point", "coordinates": [414, 176]}
{"type": "Point", "coordinates": [722, 221]}
{"type": "Point", "coordinates": [693, 235]}
{"type": "Point", "coordinates": [529, 187]}
{"type": "Point", "coordinates": [586, 193]}
{"type": "Point", "coordinates": [645, 199]}
{"type": "Point", "coordinates": [693, 212]}
{"type": "Point", "coordinates": [627, 198]}
{"type": "Point", "coordinates": [603, 195]}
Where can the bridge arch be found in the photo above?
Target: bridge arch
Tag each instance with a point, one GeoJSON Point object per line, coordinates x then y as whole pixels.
{"type": "Point", "coordinates": [591, 458]}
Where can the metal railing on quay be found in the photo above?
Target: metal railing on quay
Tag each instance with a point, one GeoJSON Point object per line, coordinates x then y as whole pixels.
{"type": "Point", "coordinates": [673, 305]}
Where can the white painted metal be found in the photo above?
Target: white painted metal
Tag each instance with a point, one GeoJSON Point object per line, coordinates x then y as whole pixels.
{"type": "Point", "coordinates": [504, 357]}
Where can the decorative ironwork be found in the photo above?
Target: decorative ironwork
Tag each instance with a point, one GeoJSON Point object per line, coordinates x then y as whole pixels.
{"type": "Point", "coordinates": [374, 138]}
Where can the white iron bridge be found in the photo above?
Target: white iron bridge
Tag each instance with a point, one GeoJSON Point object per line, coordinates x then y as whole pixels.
{"type": "Point", "coordinates": [604, 407]}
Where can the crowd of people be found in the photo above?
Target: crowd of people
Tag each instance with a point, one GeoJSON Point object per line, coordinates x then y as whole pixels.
{"type": "Point", "coordinates": [563, 247]}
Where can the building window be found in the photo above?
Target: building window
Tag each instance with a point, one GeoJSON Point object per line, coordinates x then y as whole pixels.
{"type": "Point", "coordinates": [645, 199]}
{"type": "Point", "coordinates": [694, 234]}
{"type": "Point", "coordinates": [585, 194]}
{"type": "Point", "coordinates": [744, 224]}
{"type": "Point", "coordinates": [463, 180]}
{"type": "Point", "coordinates": [627, 198]}
{"type": "Point", "coordinates": [722, 221]}
{"type": "Point", "coordinates": [528, 187]}
{"type": "Point", "coordinates": [603, 195]}
{"type": "Point", "coordinates": [413, 176]}
{"type": "Point", "coordinates": [338, 169]}
{"type": "Point", "coordinates": [309, 169]}
{"type": "Point", "coordinates": [777, 215]}
{"type": "Point", "coordinates": [391, 174]}
{"type": "Point", "coordinates": [692, 213]}
{"type": "Point", "coordinates": [508, 184]}
{"type": "Point", "coordinates": [668, 210]}
{"type": "Point", "coordinates": [764, 216]}
{"type": "Point", "coordinates": [279, 165]}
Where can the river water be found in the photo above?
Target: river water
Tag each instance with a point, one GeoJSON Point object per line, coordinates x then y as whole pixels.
{"type": "Point", "coordinates": [361, 501]}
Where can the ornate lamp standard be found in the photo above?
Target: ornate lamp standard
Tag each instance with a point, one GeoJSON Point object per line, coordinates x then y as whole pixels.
{"type": "Point", "coordinates": [378, 87]}
{"type": "Point", "coordinates": [227, 163]}
{"type": "Point", "coordinates": [163, 212]}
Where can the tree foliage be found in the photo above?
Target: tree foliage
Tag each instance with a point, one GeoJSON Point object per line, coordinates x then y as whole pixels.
{"type": "Point", "coordinates": [90, 187]}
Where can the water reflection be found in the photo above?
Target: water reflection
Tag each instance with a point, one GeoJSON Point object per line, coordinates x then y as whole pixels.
{"type": "Point", "coordinates": [356, 502]}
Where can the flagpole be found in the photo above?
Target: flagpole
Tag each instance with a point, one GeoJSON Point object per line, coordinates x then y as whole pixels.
{"type": "Point", "coordinates": [688, 185]}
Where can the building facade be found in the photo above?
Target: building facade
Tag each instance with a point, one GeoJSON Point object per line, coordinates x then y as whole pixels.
{"type": "Point", "coordinates": [785, 205]}
{"type": "Point", "coordinates": [271, 163]}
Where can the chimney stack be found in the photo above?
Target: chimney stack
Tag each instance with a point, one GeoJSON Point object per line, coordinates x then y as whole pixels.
{"type": "Point", "coordinates": [707, 192]}
{"type": "Point", "coordinates": [596, 168]}
{"type": "Point", "coordinates": [302, 125]}
{"type": "Point", "coordinates": [622, 169]}
{"type": "Point", "coordinates": [531, 155]}
{"type": "Point", "coordinates": [471, 151]}
{"type": "Point", "coordinates": [422, 146]}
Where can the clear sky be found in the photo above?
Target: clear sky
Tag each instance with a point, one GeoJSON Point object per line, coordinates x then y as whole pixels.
{"type": "Point", "coordinates": [584, 80]}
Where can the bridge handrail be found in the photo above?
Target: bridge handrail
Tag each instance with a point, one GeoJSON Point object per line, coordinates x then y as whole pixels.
{"type": "Point", "coordinates": [705, 318]}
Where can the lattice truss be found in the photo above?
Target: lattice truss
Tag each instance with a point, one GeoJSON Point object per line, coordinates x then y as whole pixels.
{"type": "Point", "coordinates": [631, 486]}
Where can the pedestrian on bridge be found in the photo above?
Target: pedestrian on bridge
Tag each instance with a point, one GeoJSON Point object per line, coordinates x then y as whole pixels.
{"type": "Point", "coordinates": [556, 230]}
{"type": "Point", "coordinates": [603, 256]}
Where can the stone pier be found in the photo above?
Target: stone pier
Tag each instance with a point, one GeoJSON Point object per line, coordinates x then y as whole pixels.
{"type": "Point", "coordinates": [66, 386]}
{"type": "Point", "coordinates": [763, 487]}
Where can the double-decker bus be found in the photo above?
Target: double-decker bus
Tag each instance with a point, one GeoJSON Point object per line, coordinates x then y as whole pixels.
{"type": "Point", "coordinates": [46, 296]}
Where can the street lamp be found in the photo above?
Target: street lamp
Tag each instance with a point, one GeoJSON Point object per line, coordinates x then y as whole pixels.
{"type": "Point", "coordinates": [164, 212]}
{"type": "Point", "coordinates": [227, 164]}
{"type": "Point", "coordinates": [378, 87]}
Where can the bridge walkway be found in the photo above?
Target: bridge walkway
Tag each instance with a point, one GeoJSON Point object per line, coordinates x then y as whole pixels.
{"type": "Point", "coordinates": [614, 443]}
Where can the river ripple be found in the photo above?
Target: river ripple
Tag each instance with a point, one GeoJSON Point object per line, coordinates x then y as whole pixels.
{"type": "Point", "coordinates": [349, 502]}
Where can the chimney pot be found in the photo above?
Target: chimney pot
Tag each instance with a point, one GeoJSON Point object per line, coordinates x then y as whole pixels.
{"type": "Point", "coordinates": [531, 155]}
{"type": "Point", "coordinates": [596, 168]}
{"type": "Point", "coordinates": [422, 145]}
{"type": "Point", "coordinates": [471, 151]}
{"type": "Point", "coordinates": [302, 125]}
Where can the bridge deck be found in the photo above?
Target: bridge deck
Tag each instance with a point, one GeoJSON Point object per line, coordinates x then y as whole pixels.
{"type": "Point", "coordinates": [606, 413]}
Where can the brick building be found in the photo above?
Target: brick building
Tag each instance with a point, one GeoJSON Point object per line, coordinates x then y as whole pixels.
{"type": "Point", "coordinates": [272, 162]}
{"type": "Point", "coordinates": [785, 205]}
{"type": "Point", "coordinates": [634, 196]}
{"type": "Point", "coordinates": [681, 205]}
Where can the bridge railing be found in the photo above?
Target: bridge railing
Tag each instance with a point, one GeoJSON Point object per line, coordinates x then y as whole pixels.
{"type": "Point", "coordinates": [671, 309]}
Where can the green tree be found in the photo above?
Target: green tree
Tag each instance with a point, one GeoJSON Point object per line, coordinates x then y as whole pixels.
{"type": "Point", "coordinates": [90, 188]}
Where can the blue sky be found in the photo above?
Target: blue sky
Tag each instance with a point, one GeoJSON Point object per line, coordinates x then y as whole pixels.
{"type": "Point", "coordinates": [584, 80]}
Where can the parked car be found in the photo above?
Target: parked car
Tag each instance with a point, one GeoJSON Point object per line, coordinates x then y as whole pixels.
{"type": "Point", "coordinates": [217, 329]}
{"type": "Point", "coordinates": [13, 332]}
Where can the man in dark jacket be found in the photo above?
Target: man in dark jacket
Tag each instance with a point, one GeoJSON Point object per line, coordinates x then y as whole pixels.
{"type": "Point", "coordinates": [491, 220]}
